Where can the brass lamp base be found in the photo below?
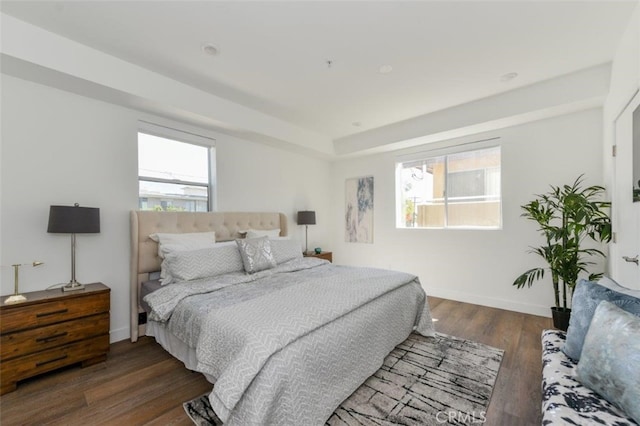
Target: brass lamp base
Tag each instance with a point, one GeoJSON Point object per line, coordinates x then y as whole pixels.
{"type": "Point", "coordinates": [16, 298]}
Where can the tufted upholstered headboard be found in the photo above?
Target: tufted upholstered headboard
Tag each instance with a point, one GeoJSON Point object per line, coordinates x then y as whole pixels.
{"type": "Point", "coordinates": [144, 251]}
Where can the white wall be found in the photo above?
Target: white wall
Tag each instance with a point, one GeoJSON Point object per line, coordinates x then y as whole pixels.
{"type": "Point", "coordinates": [256, 177]}
{"type": "Point", "coordinates": [61, 148]}
{"type": "Point", "coordinates": [625, 80]}
{"type": "Point", "coordinates": [477, 266]}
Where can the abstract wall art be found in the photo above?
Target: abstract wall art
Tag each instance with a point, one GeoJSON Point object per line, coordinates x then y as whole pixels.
{"type": "Point", "coordinates": [359, 210]}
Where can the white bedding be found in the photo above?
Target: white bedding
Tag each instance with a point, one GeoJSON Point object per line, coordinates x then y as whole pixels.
{"type": "Point", "coordinates": [315, 359]}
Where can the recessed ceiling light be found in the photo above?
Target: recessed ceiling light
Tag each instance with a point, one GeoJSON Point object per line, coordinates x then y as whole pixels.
{"type": "Point", "coordinates": [508, 77]}
{"type": "Point", "coordinates": [385, 69]}
{"type": "Point", "coordinates": [210, 49]}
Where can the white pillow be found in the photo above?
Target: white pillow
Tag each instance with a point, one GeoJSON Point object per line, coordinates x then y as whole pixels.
{"type": "Point", "coordinates": [257, 233]}
{"type": "Point", "coordinates": [168, 243]}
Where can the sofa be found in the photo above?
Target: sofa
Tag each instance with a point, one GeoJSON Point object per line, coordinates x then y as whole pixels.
{"type": "Point", "coordinates": [570, 394]}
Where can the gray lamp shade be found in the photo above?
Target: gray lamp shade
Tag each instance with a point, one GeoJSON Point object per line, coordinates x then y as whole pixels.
{"type": "Point", "coordinates": [74, 220]}
{"type": "Point", "coordinates": [306, 217]}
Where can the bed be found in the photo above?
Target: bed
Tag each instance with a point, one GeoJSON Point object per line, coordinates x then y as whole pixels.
{"type": "Point", "coordinates": [285, 344]}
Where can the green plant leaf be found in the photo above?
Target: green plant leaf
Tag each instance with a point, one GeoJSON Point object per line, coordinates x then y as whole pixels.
{"type": "Point", "coordinates": [567, 216]}
{"type": "Point", "coordinates": [529, 277]}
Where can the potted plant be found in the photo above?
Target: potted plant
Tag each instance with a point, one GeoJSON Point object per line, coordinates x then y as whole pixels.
{"type": "Point", "coordinates": [566, 217]}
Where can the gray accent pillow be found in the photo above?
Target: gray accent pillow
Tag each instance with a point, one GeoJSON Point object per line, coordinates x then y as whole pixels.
{"type": "Point", "coordinates": [285, 250]}
{"type": "Point", "coordinates": [256, 254]}
{"type": "Point", "coordinates": [202, 263]}
{"type": "Point", "coordinates": [586, 299]}
{"type": "Point", "coordinates": [610, 361]}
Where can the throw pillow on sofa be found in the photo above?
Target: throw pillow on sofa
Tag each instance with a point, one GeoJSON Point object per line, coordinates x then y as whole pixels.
{"type": "Point", "coordinates": [586, 299]}
{"type": "Point", "coordinates": [610, 360]}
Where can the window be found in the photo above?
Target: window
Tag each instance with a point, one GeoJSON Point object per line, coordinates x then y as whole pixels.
{"type": "Point", "coordinates": [173, 174]}
{"type": "Point", "coordinates": [460, 190]}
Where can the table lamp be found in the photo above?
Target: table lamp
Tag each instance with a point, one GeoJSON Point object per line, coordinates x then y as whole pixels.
{"type": "Point", "coordinates": [306, 218]}
{"type": "Point", "coordinates": [73, 220]}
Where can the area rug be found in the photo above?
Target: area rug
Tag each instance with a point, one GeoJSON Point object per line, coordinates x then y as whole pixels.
{"type": "Point", "coordinates": [424, 381]}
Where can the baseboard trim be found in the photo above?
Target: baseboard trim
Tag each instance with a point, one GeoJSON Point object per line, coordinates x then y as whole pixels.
{"type": "Point", "coordinates": [119, 334]}
{"type": "Point", "coordinates": [543, 311]}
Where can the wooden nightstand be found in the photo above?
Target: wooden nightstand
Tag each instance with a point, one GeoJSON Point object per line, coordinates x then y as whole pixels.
{"type": "Point", "coordinates": [53, 329]}
{"type": "Point", "coordinates": [326, 255]}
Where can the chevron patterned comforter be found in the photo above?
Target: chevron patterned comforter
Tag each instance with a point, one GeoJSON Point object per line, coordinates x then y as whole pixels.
{"type": "Point", "coordinates": [286, 347]}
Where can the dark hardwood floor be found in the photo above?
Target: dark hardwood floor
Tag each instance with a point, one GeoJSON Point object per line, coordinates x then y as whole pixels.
{"type": "Point", "coordinates": [142, 384]}
{"type": "Point", "coordinates": [517, 395]}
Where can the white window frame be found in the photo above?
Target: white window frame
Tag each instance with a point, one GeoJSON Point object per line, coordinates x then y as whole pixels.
{"type": "Point", "coordinates": [444, 152]}
{"type": "Point", "coordinates": [188, 137]}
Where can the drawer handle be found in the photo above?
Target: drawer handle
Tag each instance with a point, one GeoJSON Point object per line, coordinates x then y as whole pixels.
{"type": "Point", "coordinates": [50, 338]}
{"type": "Point", "coordinates": [40, 364]}
{"type": "Point", "coordinates": [46, 314]}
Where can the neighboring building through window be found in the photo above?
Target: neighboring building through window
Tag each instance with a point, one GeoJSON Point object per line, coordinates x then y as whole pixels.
{"type": "Point", "coordinates": [460, 190]}
{"type": "Point", "coordinates": [174, 174]}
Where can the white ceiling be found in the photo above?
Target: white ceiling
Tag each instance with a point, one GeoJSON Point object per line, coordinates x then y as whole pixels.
{"type": "Point", "coordinates": [273, 55]}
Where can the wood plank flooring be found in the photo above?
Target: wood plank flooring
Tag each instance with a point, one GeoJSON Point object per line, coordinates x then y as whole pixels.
{"type": "Point", "coordinates": [141, 384]}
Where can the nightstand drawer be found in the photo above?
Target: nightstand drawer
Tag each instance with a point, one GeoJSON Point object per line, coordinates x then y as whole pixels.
{"type": "Point", "coordinates": [25, 317]}
{"type": "Point", "coordinates": [41, 362]}
{"type": "Point", "coordinates": [38, 339]}
{"type": "Point", "coordinates": [53, 329]}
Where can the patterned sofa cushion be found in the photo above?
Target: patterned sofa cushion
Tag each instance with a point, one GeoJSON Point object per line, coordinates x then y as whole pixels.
{"type": "Point", "coordinates": [565, 401]}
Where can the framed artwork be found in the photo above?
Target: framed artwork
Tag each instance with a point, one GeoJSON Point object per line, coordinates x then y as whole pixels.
{"type": "Point", "coordinates": [359, 210]}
